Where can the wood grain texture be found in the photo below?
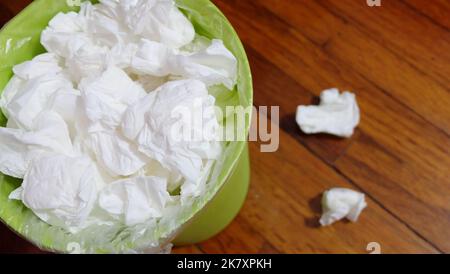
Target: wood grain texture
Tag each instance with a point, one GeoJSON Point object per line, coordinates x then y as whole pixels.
{"type": "Point", "coordinates": [437, 12]}
{"type": "Point", "coordinates": [396, 59]}
{"type": "Point", "coordinates": [394, 128]}
{"type": "Point", "coordinates": [283, 208]}
{"type": "Point", "coordinates": [14, 6]}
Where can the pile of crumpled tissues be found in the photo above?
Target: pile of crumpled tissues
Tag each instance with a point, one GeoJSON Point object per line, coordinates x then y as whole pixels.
{"type": "Point", "coordinates": [90, 122]}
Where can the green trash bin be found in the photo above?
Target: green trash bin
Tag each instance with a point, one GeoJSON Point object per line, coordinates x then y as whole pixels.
{"type": "Point", "coordinates": [222, 209]}
{"type": "Point", "coordinates": [19, 41]}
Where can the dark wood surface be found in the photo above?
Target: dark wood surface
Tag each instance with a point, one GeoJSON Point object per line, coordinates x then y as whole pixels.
{"type": "Point", "coordinates": [396, 59]}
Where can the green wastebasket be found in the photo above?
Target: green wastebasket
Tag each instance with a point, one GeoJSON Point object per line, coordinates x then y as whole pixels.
{"type": "Point", "coordinates": [19, 41]}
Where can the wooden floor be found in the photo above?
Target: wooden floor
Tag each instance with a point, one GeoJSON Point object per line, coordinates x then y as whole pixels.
{"type": "Point", "coordinates": [396, 59]}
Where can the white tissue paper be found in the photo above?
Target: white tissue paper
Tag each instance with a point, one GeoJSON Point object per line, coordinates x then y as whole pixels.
{"type": "Point", "coordinates": [163, 125]}
{"type": "Point", "coordinates": [87, 61]}
{"type": "Point", "coordinates": [61, 190]}
{"type": "Point", "coordinates": [117, 155]}
{"type": "Point", "coordinates": [32, 98]}
{"type": "Point", "coordinates": [34, 81]}
{"type": "Point", "coordinates": [174, 179]}
{"type": "Point", "coordinates": [339, 203]}
{"type": "Point", "coordinates": [98, 124]}
{"type": "Point", "coordinates": [47, 63]}
{"type": "Point", "coordinates": [159, 21]}
{"type": "Point", "coordinates": [68, 104]}
{"type": "Point", "coordinates": [19, 147]}
{"type": "Point", "coordinates": [152, 58]}
{"type": "Point", "coordinates": [196, 188]}
{"type": "Point", "coordinates": [146, 36]}
{"type": "Point", "coordinates": [135, 200]}
{"type": "Point", "coordinates": [106, 98]}
{"type": "Point", "coordinates": [66, 34]}
{"type": "Point", "coordinates": [105, 23]}
{"type": "Point", "coordinates": [212, 65]}
{"type": "Point", "coordinates": [337, 114]}
{"type": "Point", "coordinates": [11, 89]}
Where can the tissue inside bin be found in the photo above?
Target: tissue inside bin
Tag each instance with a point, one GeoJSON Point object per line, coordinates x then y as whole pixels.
{"type": "Point", "coordinates": [200, 62]}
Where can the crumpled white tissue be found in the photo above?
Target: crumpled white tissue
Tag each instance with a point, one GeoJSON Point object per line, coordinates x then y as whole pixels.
{"type": "Point", "coordinates": [152, 58]}
{"type": "Point", "coordinates": [165, 123]}
{"type": "Point", "coordinates": [14, 85]}
{"type": "Point", "coordinates": [339, 203]}
{"type": "Point", "coordinates": [120, 22]}
{"type": "Point", "coordinates": [106, 34]}
{"type": "Point", "coordinates": [337, 114]}
{"type": "Point", "coordinates": [213, 65]}
{"type": "Point", "coordinates": [105, 23]}
{"type": "Point", "coordinates": [19, 147]}
{"type": "Point", "coordinates": [145, 35]}
{"type": "Point", "coordinates": [116, 154]}
{"type": "Point", "coordinates": [153, 167]}
{"type": "Point", "coordinates": [157, 20]}
{"type": "Point", "coordinates": [68, 104]}
{"type": "Point", "coordinates": [135, 200]}
{"type": "Point", "coordinates": [33, 82]}
{"type": "Point", "coordinates": [196, 188]}
{"type": "Point", "coordinates": [31, 98]}
{"type": "Point", "coordinates": [66, 34]}
{"type": "Point", "coordinates": [61, 190]}
{"type": "Point", "coordinates": [106, 98]}
{"type": "Point", "coordinates": [87, 61]}
{"type": "Point", "coordinates": [47, 63]}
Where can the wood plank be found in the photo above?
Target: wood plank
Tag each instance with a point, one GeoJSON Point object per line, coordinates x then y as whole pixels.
{"type": "Point", "coordinates": [248, 241]}
{"type": "Point", "coordinates": [15, 6]}
{"type": "Point", "coordinates": [434, 168]}
{"type": "Point", "coordinates": [273, 87]}
{"type": "Point", "coordinates": [422, 149]}
{"type": "Point", "coordinates": [190, 249]}
{"type": "Point", "coordinates": [292, 179]}
{"type": "Point", "coordinates": [438, 11]}
{"type": "Point", "coordinates": [5, 14]}
{"type": "Point", "coordinates": [11, 243]}
{"type": "Point", "coordinates": [402, 30]}
{"type": "Point", "coordinates": [344, 42]}
{"type": "Point", "coordinates": [393, 180]}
